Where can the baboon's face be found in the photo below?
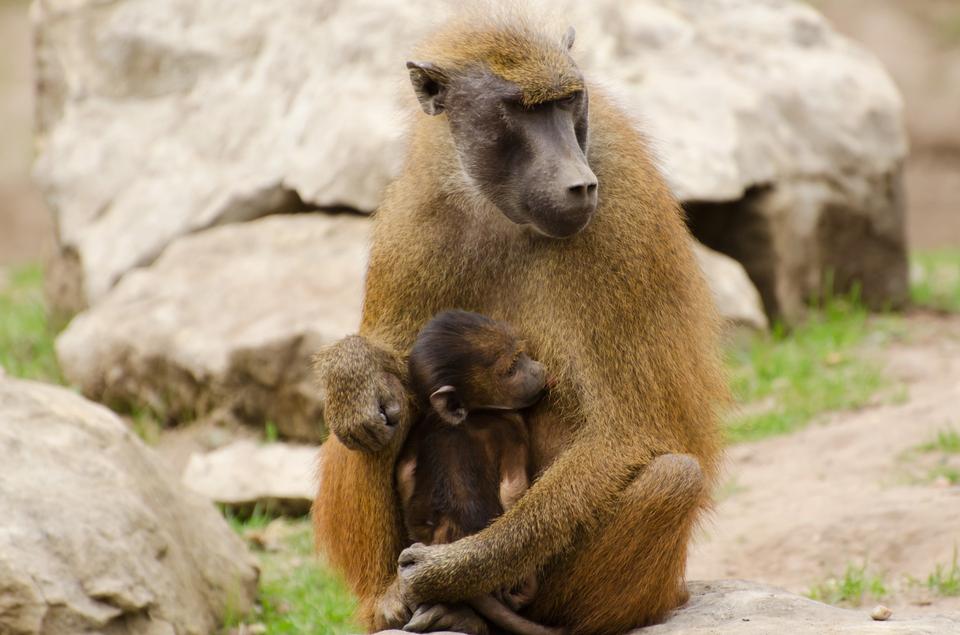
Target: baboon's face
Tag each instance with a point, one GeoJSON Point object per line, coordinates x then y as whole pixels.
{"type": "Point", "coordinates": [529, 161]}
{"type": "Point", "coordinates": [512, 382]}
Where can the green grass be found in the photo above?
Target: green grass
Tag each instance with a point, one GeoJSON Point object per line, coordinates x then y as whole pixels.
{"type": "Point", "coordinates": [945, 445]}
{"type": "Point", "coordinates": [298, 595]}
{"type": "Point", "coordinates": [943, 471]}
{"type": "Point", "coordinates": [27, 330]}
{"type": "Point", "coordinates": [935, 280]}
{"type": "Point", "coordinates": [145, 424]}
{"type": "Point", "coordinates": [947, 441]}
{"type": "Point", "coordinates": [945, 580]}
{"type": "Point", "coordinates": [784, 379]}
{"type": "Point", "coordinates": [270, 432]}
{"type": "Point", "coordinates": [853, 588]}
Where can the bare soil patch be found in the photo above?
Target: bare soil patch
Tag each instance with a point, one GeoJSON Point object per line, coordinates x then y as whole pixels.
{"type": "Point", "coordinates": [852, 489]}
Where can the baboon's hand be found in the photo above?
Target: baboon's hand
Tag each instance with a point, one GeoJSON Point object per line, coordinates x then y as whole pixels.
{"type": "Point", "coordinates": [391, 611]}
{"type": "Point", "coordinates": [419, 568]}
{"type": "Point", "coordinates": [446, 617]}
{"type": "Point", "coordinates": [363, 394]}
{"type": "Point", "coordinates": [370, 422]}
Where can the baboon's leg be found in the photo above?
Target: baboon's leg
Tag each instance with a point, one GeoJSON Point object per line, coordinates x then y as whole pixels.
{"type": "Point", "coordinates": [630, 573]}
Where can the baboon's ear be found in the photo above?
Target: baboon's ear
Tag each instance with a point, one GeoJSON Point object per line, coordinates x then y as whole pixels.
{"type": "Point", "coordinates": [445, 401]}
{"type": "Point", "coordinates": [568, 38]}
{"type": "Point", "coordinates": [430, 84]}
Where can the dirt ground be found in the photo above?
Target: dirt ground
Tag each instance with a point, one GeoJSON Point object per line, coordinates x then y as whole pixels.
{"type": "Point", "coordinates": [853, 488]}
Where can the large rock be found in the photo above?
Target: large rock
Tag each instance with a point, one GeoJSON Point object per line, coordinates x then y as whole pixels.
{"type": "Point", "coordinates": [274, 477]}
{"type": "Point", "coordinates": [95, 537]}
{"type": "Point", "coordinates": [224, 324]}
{"type": "Point", "coordinates": [736, 298]}
{"type": "Point", "coordinates": [738, 607]}
{"type": "Point", "coordinates": [227, 321]}
{"type": "Point", "coordinates": [159, 119]}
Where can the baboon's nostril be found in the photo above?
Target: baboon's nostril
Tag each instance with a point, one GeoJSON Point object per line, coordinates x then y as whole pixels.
{"type": "Point", "coordinates": [582, 189]}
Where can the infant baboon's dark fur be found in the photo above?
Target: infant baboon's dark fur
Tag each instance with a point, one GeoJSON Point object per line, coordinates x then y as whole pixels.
{"type": "Point", "coordinates": [467, 460]}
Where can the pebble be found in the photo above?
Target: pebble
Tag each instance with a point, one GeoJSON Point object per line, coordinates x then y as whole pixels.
{"type": "Point", "coordinates": [881, 613]}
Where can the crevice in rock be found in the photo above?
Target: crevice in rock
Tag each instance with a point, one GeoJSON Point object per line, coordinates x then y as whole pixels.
{"type": "Point", "coordinates": [840, 233]}
{"type": "Point", "coordinates": [275, 199]}
{"type": "Point", "coordinates": [738, 229]}
{"type": "Point", "coordinates": [63, 284]}
{"type": "Point", "coordinates": [337, 210]}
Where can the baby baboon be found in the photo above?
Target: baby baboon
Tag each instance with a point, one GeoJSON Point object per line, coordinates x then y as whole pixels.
{"type": "Point", "coordinates": [467, 460]}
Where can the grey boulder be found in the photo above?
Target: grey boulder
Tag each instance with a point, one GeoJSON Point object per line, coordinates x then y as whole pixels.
{"type": "Point", "coordinates": [159, 119]}
{"type": "Point", "coordinates": [739, 607]}
{"type": "Point", "coordinates": [95, 537]}
{"type": "Point", "coordinates": [276, 477]}
{"type": "Point", "coordinates": [225, 323]}
{"type": "Point", "coordinates": [737, 300]}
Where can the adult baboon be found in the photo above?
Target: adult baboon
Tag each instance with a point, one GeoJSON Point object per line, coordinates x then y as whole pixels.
{"type": "Point", "coordinates": [516, 203]}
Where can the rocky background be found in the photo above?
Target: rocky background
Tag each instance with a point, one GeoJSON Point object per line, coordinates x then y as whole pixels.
{"type": "Point", "coordinates": [201, 189]}
{"type": "Point", "coordinates": [157, 123]}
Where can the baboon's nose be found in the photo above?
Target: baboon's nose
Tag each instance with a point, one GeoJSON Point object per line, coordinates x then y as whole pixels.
{"type": "Point", "coordinates": [583, 195]}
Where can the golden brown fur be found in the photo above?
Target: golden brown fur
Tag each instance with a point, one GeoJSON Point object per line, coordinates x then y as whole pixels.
{"type": "Point", "coordinates": [512, 48]}
{"type": "Point", "coordinates": [620, 315]}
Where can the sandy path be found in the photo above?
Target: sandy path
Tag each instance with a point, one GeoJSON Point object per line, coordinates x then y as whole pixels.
{"type": "Point", "coordinates": [803, 506]}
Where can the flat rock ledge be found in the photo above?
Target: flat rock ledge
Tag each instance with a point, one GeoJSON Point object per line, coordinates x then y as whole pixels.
{"type": "Point", "coordinates": [275, 477]}
{"type": "Point", "coordinates": [96, 537]}
{"type": "Point", "coordinates": [225, 323]}
{"type": "Point", "coordinates": [740, 607]}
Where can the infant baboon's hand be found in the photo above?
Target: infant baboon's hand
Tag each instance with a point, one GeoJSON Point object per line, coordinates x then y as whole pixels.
{"type": "Point", "coordinates": [363, 394]}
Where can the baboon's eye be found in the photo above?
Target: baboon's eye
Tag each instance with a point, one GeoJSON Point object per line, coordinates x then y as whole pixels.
{"type": "Point", "coordinates": [513, 103]}
{"type": "Point", "coordinates": [569, 100]}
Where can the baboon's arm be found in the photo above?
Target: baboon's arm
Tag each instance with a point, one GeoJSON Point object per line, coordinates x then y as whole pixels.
{"type": "Point", "coordinates": [574, 493]}
{"type": "Point", "coordinates": [356, 514]}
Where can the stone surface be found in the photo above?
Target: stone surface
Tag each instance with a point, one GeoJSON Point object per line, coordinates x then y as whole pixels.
{"type": "Point", "coordinates": [277, 477]}
{"type": "Point", "coordinates": [738, 607]}
{"type": "Point", "coordinates": [225, 323]}
{"type": "Point", "coordinates": [95, 537]}
{"type": "Point", "coordinates": [159, 119]}
{"type": "Point", "coordinates": [736, 298]}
